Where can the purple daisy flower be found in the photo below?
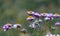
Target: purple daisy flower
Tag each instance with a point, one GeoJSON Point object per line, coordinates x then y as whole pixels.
{"type": "Point", "coordinates": [57, 24]}
{"type": "Point", "coordinates": [49, 15]}
{"type": "Point", "coordinates": [30, 18]}
{"type": "Point", "coordinates": [37, 15]}
{"type": "Point", "coordinates": [43, 14]}
{"type": "Point", "coordinates": [9, 25]}
{"type": "Point", "coordinates": [30, 12]}
{"type": "Point", "coordinates": [5, 28]}
{"type": "Point", "coordinates": [56, 16]}
{"type": "Point", "coordinates": [48, 18]}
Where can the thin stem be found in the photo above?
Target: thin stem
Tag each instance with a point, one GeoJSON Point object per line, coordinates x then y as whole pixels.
{"type": "Point", "coordinates": [46, 27]}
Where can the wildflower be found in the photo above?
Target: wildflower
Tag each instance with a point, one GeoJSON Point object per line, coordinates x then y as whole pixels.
{"type": "Point", "coordinates": [7, 26]}
{"type": "Point", "coordinates": [30, 13]}
{"type": "Point", "coordinates": [17, 26]}
{"type": "Point", "coordinates": [56, 15]}
{"type": "Point", "coordinates": [37, 15]}
{"type": "Point", "coordinates": [39, 21]}
{"type": "Point", "coordinates": [49, 15]}
{"type": "Point", "coordinates": [48, 18]}
{"type": "Point", "coordinates": [57, 24]}
{"type": "Point", "coordinates": [43, 14]}
{"type": "Point", "coordinates": [23, 30]}
{"type": "Point", "coordinates": [34, 25]}
{"type": "Point", "coordinates": [30, 18]}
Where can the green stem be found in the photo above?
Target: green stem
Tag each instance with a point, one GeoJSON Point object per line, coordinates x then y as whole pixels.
{"type": "Point", "coordinates": [47, 27]}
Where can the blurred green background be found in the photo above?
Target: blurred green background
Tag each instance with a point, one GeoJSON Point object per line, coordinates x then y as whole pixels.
{"type": "Point", "coordinates": [14, 11]}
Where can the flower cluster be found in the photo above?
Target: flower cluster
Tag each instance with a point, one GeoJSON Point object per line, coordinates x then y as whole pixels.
{"type": "Point", "coordinates": [37, 18]}
{"type": "Point", "coordinates": [48, 16]}
{"type": "Point", "coordinates": [10, 26]}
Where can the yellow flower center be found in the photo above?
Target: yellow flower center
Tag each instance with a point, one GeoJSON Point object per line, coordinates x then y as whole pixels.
{"type": "Point", "coordinates": [30, 12]}
{"type": "Point", "coordinates": [44, 13]}
{"type": "Point", "coordinates": [56, 14]}
{"type": "Point", "coordinates": [30, 17]}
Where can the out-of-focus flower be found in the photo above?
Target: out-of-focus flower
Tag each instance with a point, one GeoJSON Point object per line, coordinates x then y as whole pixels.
{"type": "Point", "coordinates": [7, 26]}
{"type": "Point", "coordinates": [49, 15]}
{"type": "Point", "coordinates": [48, 18]}
{"type": "Point", "coordinates": [30, 18]}
{"type": "Point", "coordinates": [37, 15]}
{"type": "Point", "coordinates": [53, 28]}
{"type": "Point", "coordinates": [57, 24]}
{"type": "Point", "coordinates": [30, 12]}
{"type": "Point", "coordinates": [39, 21]}
{"type": "Point", "coordinates": [56, 15]}
{"type": "Point", "coordinates": [17, 26]}
{"type": "Point", "coordinates": [43, 14]}
{"type": "Point", "coordinates": [34, 25]}
{"type": "Point", "coordinates": [23, 30]}
{"type": "Point", "coordinates": [35, 21]}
